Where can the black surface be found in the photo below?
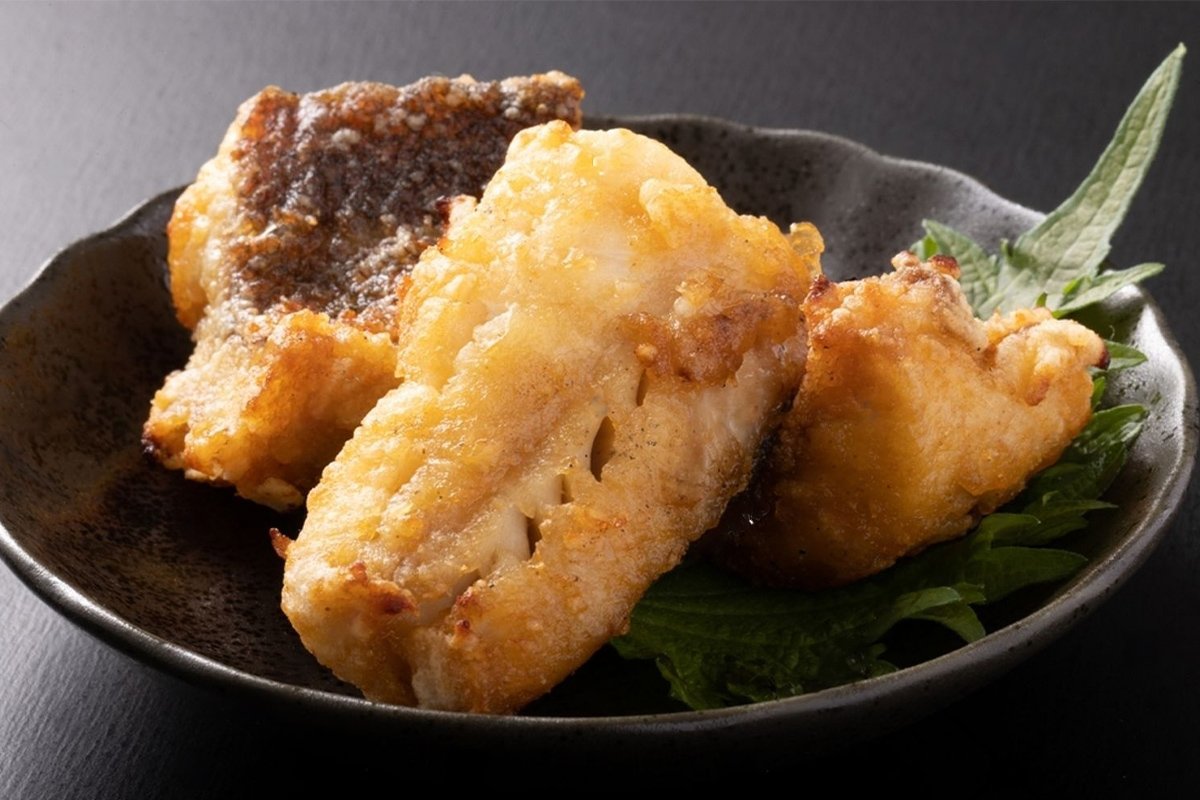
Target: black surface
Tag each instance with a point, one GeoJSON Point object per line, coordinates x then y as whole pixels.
{"type": "Point", "coordinates": [107, 105]}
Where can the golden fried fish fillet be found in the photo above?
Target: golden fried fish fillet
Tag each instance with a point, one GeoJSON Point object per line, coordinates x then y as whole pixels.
{"type": "Point", "coordinates": [594, 354]}
{"type": "Point", "coordinates": [286, 255]}
{"type": "Point", "coordinates": [914, 418]}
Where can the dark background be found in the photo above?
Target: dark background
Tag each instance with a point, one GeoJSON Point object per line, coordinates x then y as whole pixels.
{"type": "Point", "coordinates": [102, 106]}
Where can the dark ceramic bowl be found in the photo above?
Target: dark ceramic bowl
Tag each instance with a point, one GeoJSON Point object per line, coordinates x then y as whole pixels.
{"type": "Point", "coordinates": [182, 576]}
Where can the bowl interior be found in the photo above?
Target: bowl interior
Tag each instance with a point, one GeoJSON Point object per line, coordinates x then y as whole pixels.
{"type": "Point", "coordinates": [183, 575]}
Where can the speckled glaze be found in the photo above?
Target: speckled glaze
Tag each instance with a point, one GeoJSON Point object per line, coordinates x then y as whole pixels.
{"type": "Point", "coordinates": [182, 575]}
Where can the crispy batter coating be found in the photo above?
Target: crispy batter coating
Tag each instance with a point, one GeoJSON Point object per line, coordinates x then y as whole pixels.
{"type": "Point", "coordinates": [286, 255]}
{"type": "Point", "coordinates": [914, 418]}
{"type": "Point", "coordinates": [595, 353]}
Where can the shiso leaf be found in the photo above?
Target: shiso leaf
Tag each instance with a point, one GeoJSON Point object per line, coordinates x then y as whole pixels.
{"type": "Point", "coordinates": [1074, 239]}
{"type": "Point", "coordinates": [1085, 291]}
{"type": "Point", "coordinates": [1123, 356]}
{"type": "Point", "coordinates": [1060, 259]}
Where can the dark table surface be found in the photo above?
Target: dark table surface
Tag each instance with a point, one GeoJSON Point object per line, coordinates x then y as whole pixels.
{"type": "Point", "coordinates": [105, 105]}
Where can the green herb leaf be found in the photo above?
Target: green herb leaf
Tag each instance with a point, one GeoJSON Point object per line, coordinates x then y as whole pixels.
{"type": "Point", "coordinates": [1007, 569]}
{"type": "Point", "coordinates": [1074, 239]}
{"type": "Point", "coordinates": [1099, 384]}
{"type": "Point", "coordinates": [1085, 291]}
{"type": "Point", "coordinates": [959, 618]}
{"type": "Point", "coordinates": [719, 641]}
{"type": "Point", "coordinates": [925, 247]}
{"type": "Point", "coordinates": [1061, 257]}
{"type": "Point", "coordinates": [1091, 463]}
{"type": "Point", "coordinates": [1122, 356]}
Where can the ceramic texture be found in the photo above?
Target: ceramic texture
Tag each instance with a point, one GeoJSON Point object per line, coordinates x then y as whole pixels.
{"type": "Point", "coordinates": [182, 575]}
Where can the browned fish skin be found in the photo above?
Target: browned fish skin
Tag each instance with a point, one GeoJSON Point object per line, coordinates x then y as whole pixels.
{"type": "Point", "coordinates": [317, 204]}
{"type": "Point", "coordinates": [914, 418]}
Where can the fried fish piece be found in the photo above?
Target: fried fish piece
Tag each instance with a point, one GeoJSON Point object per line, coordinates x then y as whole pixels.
{"type": "Point", "coordinates": [594, 355]}
{"type": "Point", "coordinates": [286, 255]}
{"type": "Point", "coordinates": [914, 419]}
